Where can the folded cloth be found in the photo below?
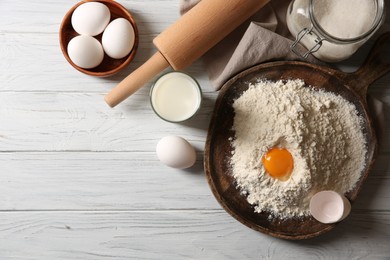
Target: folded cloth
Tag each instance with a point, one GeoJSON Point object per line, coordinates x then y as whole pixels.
{"type": "Point", "coordinates": [264, 37]}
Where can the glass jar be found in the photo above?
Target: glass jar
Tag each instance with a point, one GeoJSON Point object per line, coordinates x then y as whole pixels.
{"type": "Point", "coordinates": [332, 30]}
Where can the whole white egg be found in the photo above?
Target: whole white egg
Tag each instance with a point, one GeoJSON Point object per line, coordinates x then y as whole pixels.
{"type": "Point", "coordinates": [118, 38]}
{"type": "Point", "coordinates": [85, 51]}
{"type": "Point", "coordinates": [176, 152]}
{"type": "Point", "coordinates": [90, 18]}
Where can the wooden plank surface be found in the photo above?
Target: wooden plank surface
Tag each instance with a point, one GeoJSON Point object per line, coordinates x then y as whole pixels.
{"type": "Point", "coordinates": [177, 234]}
{"type": "Point", "coordinates": [99, 181]}
{"type": "Point", "coordinates": [79, 180]}
{"type": "Point", "coordinates": [125, 181]}
{"type": "Point", "coordinates": [82, 121]}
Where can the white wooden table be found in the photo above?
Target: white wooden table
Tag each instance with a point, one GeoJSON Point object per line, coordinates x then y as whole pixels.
{"type": "Point", "coordinates": [79, 180]}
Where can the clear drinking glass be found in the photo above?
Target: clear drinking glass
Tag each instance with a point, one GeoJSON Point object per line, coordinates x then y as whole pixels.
{"type": "Point", "coordinates": [175, 96]}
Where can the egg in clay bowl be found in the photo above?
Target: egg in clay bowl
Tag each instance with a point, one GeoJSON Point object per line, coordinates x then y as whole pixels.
{"type": "Point", "coordinates": [90, 18]}
{"type": "Point", "coordinates": [104, 21]}
{"type": "Point", "coordinates": [85, 51]}
{"type": "Point", "coordinates": [118, 38]}
{"type": "Point", "coordinates": [176, 152]}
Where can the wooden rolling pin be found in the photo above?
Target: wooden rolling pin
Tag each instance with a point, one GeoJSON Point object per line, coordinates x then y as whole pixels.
{"type": "Point", "coordinates": [188, 39]}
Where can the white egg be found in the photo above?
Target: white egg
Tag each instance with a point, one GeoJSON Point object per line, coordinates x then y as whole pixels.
{"type": "Point", "coordinates": [176, 152]}
{"type": "Point", "coordinates": [90, 18]}
{"type": "Point", "coordinates": [85, 51]}
{"type": "Point", "coordinates": [118, 38]}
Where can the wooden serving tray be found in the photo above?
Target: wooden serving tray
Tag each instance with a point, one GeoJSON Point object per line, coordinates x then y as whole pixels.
{"type": "Point", "coordinates": [352, 87]}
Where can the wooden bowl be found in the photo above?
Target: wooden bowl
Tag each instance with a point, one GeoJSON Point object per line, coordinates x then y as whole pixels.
{"type": "Point", "coordinates": [109, 66]}
{"type": "Point", "coordinates": [218, 149]}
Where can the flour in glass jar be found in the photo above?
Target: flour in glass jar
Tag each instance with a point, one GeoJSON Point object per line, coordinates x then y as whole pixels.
{"type": "Point", "coordinates": [322, 131]}
{"type": "Point", "coordinates": [346, 20]}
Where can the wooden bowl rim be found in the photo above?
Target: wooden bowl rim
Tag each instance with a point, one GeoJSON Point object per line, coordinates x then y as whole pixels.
{"type": "Point", "coordinates": [207, 155]}
{"type": "Point", "coordinates": [115, 70]}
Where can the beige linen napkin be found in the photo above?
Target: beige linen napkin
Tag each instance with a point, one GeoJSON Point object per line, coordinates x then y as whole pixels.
{"type": "Point", "coordinates": [264, 37]}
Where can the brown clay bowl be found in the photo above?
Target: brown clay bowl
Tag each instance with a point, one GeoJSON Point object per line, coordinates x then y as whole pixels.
{"type": "Point", "coordinates": [352, 87]}
{"type": "Point", "coordinates": [109, 66]}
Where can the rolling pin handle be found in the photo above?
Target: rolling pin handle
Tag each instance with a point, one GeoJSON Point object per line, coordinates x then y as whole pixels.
{"type": "Point", "coordinates": [156, 64]}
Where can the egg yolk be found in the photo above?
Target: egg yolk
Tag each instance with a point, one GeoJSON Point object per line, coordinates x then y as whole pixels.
{"type": "Point", "coordinates": [279, 163]}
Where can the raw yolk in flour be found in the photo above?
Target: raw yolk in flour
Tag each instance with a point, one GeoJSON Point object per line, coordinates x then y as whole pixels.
{"type": "Point", "coordinates": [279, 163]}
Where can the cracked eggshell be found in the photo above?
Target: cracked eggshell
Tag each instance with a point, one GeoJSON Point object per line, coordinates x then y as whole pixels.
{"type": "Point", "coordinates": [118, 38]}
{"type": "Point", "coordinates": [329, 207]}
{"type": "Point", "coordinates": [176, 152]}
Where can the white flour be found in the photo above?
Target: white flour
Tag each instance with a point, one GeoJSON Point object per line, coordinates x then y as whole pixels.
{"type": "Point", "coordinates": [338, 18]}
{"type": "Point", "coordinates": [322, 131]}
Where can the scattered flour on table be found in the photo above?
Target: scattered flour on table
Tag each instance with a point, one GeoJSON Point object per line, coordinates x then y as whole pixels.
{"type": "Point", "coordinates": [321, 130]}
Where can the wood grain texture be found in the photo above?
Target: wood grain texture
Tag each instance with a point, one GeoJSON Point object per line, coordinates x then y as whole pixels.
{"type": "Point", "coordinates": [104, 180]}
{"type": "Point", "coordinates": [81, 181]}
{"type": "Point", "coordinates": [45, 16]}
{"type": "Point", "coordinates": [125, 181]}
{"type": "Point", "coordinates": [45, 69]}
{"type": "Point", "coordinates": [82, 121]}
{"type": "Point", "coordinates": [177, 234]}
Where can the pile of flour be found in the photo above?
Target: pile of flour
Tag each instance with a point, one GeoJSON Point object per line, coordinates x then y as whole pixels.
{"type": "Point", "coordinates": [322, 131]}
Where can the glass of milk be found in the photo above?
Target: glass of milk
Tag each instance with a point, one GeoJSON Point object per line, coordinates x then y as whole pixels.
{"type": "Point", "coordinates": [333, 30]}
{"type": "Point", "coordinates": [175, 97]}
